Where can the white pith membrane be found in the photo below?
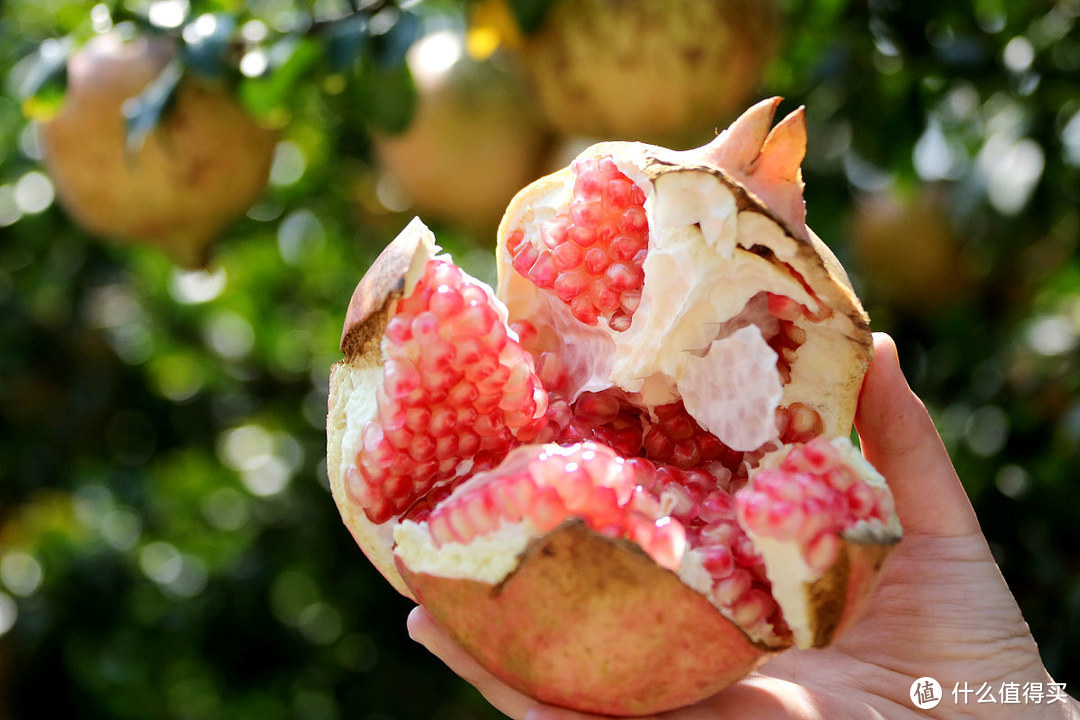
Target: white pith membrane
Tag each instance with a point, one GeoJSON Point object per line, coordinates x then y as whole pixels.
{"type": "Point", "coordinates": [703, 335]}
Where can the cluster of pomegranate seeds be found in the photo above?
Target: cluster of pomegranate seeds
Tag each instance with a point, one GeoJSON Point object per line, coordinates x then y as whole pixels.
{"type": "Point", "coordinates": [789, 335]}
{"type": "Point", "coordinates": [584, 481]}
{"type": "Point", "coordinates": [673, 436]}
{"type": "Point", "coordinates": [591, 255]}
{"type": "Point", "coordinates": [457, 394]}
{"type": "Point", "coordinates": [810, 498]}
{"type": "Point", "coordinates": [707, 512]}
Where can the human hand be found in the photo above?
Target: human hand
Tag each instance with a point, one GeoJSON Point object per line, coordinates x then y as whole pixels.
{"type": "Point", "coordinates": [942, 608]}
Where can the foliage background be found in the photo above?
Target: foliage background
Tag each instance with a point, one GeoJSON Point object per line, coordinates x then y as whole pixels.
{"type": "Point", "coordinates": [168, 546]}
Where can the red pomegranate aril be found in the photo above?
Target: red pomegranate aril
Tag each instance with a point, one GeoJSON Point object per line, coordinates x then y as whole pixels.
{"type": "Point", "coordinates": [728, 590]}
{"type": "Point", "coordinates": [525, 258]}
{"type": "Point", "coordinates": [543, 272]}
{"type": "Point", "coordinates": [583, 236]}
{"type": "Point", "coordinates": [620, 321]}
{"type": "Point", "coordinates": [619, 192]}
{"type": "Point", "coordinates": [622, 277]}
{"type": "Point", "coordinates": [446, 301]}
{"type": "Point", "coordinates": [398, 330]}
{"type": "Point", "coordinates": [569, 285]}
{"type": "Point", "coordinates": [685, 454]}
{"type": "Point", "coordinates": [604, 299]}
{"type": "Point", "coordinates": [784, 308]}
{"type": "Point", "coordinates": [584, 310]}
{"type": "Point", "coordinates": [567, 256]}
{"type": "Point", "coordinates": [546, 510]}
{"type": "Point", "coordinates": [596, 260]}
{"type": "Point", "coordinates": [633, 221]}
{"type": "Point", "coordinates": [625, 248]}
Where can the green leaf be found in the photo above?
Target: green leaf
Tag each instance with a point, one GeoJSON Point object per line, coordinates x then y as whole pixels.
{"type": "Point", "coordinates": [290, 60]}
{"type": "Point", "coordinates": [530, 14]}
{"type": "Point", "coordinates": [206, 45]}
{"type": "Point", "coordinates": [391, 43]}
{"type": "Point", "coordinates": [346, 41]}
{"type": "Point", "coordinates": [143, 112]}
{"type": "Point", "coordinates": [45, 81]}
{"type": "Point", "coordinates": [386, 97]}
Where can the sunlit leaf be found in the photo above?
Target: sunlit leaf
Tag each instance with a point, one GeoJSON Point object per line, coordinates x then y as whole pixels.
{"type": "Point", "coordinates": [530, 14]}
{"type": "Point", "coordinates": [346, 40]}
{"type": "Point", "coordinates": [143, 112]}
{"type": "Point", "coordinates": [44, 83]}
{"type": "Point", "coordinates": [386, 97]}
{"type": "Point", "coordinates": [290, 60]}
{"type": "Point", "coordinates": [207, 43]}
{"type": "Point", "coordinates": [391, 44]}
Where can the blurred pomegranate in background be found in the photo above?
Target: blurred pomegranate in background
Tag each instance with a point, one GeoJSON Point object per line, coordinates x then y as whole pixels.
{"type": "Point", "coordinates": [908, 250]}
{"type": "Point", "coordinates": [202, 166]}
{"type": "Point", "coordinates": [659, 70]}
{"type": "Point", "coordinates": [472, 142]}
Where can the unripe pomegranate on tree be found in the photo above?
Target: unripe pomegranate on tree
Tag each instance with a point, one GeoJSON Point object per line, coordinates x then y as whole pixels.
{"type": "Point", "coordinates": [203, 165]}
{"type": "Point", "coordinates": [473, 141]}
{"type": "Point", "coordinates": [908, 250]}
{"type": "Point", "coordinates": [661, 70]}
{"type": "Point", "coordinates": [624, 479]}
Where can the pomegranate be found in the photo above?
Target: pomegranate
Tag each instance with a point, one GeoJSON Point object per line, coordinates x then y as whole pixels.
{"type": "Point", "coordinates": [470, 114]}
{"type": "Point", "coordinates": [665, 70]}
{"type": "Point", "coordinates": [909, 252]}
{"type": "Point", "coordinates": [202, 167]}
{"type": "Point", "coordinates": [624, 480]}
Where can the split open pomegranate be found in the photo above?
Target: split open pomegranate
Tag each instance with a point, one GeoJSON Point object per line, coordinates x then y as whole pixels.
{"type": "Point", "coordinates": [625, 479]}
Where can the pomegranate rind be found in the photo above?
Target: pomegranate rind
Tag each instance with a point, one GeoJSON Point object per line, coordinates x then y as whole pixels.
{"type": "Point", "coordinates": [354, 379]}
{"type": "Point", "coordinates": [591, 623]}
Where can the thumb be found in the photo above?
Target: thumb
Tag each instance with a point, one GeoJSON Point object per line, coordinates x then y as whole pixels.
{"type": "Point", "coordinates": [900, 440]}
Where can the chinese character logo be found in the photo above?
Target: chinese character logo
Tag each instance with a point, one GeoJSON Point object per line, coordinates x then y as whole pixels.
{"type": "Point", "coordinates": [925, 693]}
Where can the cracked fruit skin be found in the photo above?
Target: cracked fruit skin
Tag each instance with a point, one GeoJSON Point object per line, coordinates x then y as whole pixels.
{"type": "Point", "coordinates": [202, 167]}
{"type": "Point", "coordinates": [662, 70]}
{"type": "Point", "coordinates": [623, 480]}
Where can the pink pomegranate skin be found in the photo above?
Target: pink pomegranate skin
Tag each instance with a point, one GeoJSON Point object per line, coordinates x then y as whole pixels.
{"type": "Point", "coordinates": [593, 624]}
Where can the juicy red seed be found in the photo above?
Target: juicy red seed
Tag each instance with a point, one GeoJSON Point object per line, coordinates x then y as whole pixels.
{"type": "Point", "coordinates": [569, 285]}
{"type": "Point", "coordinates": [619, 322]}
{"type": "Point", "coordinates": [622, 277]}
{"type": "Point", "coordinates": [567, 256]}
{"type": "Point", "coordinates": [584, 310]}
{"type": "Point", "coordinates": [798, 423]}
{"type": "Point", "coordinates": [633, 221]}
{"type": "Point", "coordinates": [625, 247]}
{"type": "Point", "coordinates": [525, 258]}
{"type": "Point", "coordinates": [398, 330]}
{"type": "Point", "coordinates": [514, 239]}
{"type": "Point", "coordinates": [619, 192]}
{"type": "Point", "coordinates": [543, 272]}
{"type": "Point", "coordinates": [446, 301]}
{"type": "Point", "coordinates": [583, 236]}
{"type": "Point", "coordinates": [784, 308]}
{"type": "Point", "coordinates": [596, 260]}
{"type": "Point", "coordinates": [587, 214]}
